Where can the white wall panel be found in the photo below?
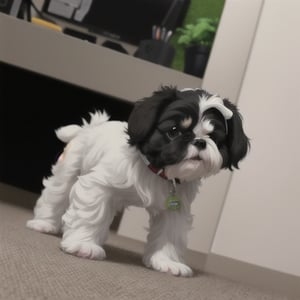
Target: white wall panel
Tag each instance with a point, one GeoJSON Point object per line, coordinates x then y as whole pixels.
{"type": "Point", "coordinates": [260, 222]}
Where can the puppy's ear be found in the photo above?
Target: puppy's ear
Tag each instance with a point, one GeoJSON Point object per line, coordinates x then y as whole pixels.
{"type": "Point", "coordinates": [146, 112]}
{"type": "Point", "coordinates": [238, 142]}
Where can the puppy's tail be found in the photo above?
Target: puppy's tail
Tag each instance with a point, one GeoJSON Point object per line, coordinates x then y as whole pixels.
{"type": "Point", "coordinates": [67, 133]}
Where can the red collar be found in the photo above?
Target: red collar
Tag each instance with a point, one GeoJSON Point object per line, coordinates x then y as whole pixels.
{"type": "Point", "coordinates": [159, 172]}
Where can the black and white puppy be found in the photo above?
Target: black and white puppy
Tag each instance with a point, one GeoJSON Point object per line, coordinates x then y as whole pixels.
{"type": "Point", "coordinates": [172, 139]}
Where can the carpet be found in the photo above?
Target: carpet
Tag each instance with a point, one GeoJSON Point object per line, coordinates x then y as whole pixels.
{"type": "Point", "coordinates": [33, 267]}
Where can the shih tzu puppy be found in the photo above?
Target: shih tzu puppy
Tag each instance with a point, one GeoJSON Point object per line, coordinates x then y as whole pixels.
{"type": "Point", "coordinates": [172, 140]}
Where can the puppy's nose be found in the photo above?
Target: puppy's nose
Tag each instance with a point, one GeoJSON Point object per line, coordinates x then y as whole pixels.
{"type": "Point", "coordinates": [199, 143]}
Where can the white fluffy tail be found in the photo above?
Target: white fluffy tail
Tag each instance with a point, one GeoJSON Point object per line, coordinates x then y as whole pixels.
{"type": "Point", "coordinates": [67, 133]}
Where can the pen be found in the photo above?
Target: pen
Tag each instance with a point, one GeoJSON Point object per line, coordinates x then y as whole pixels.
{"type": "Point", "coordinates": [158, 33]}
{"type": "Point", "coordinates": [168, 36]}
{"type": "Point", "coordinates": [163, 33]}
{"type": "Point", "coordinates": [153, 32]}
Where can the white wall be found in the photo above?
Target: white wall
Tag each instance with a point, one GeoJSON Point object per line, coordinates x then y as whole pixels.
{"type": "Point", "coordinates": [232, 45]}
{"type": "Point", "coordinates": [260, 223]}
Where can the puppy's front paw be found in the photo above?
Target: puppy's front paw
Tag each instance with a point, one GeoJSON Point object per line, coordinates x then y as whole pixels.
{"type": "Point", "coordinates": [84, 250]}
{"type": "Point", "coordinates": [42, 226]}
{"type": "Point", "coordinates": [164, 264]}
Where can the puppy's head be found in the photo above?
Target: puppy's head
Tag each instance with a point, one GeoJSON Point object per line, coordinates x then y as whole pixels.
{"type": "Point", "coordinates": [190, 133]}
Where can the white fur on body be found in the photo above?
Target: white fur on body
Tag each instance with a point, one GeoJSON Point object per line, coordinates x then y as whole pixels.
{"type": "Point", "coordinates": [99, 174]}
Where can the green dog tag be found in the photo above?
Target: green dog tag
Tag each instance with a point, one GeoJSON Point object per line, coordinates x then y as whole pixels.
{"type": "Point", "coordinates": [172, 202]}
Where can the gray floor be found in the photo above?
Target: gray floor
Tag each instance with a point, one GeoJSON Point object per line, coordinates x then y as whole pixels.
{"type": "Point", "coordinates": [33, 267]}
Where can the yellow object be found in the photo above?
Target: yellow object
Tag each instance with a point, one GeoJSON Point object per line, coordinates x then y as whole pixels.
{"type": "Point", "coordinates": [47, 24]}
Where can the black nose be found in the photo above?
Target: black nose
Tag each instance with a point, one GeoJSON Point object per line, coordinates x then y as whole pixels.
{"type": "Point", "coordinates": [199, 143]}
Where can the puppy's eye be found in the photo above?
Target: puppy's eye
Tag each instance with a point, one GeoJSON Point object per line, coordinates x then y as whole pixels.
{"type": "Point", "coordinates": [173, 133]}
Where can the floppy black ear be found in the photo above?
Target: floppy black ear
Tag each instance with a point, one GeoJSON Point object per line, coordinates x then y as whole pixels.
{"type": "Point", "coordinates": [238, 142]}
{"type": "Point", "coordinates": [146, 112]}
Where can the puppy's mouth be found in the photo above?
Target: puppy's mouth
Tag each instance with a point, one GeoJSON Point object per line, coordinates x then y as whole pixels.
{"type": "Point", "coordinates": [196, 157]}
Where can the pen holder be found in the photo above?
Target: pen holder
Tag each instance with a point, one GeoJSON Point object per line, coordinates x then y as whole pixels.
{"type": "Point", "coordinates": [156, 51]}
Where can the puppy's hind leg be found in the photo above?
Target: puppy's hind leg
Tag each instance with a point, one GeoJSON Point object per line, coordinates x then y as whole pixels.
{"type": "Point", "coordinates": [54, 198]}
{"type": "Point", "coordinates": [87, 220]}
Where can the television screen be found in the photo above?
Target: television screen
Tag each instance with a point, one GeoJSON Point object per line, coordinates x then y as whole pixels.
{"type": "Point", "coordinates": [125, 20]}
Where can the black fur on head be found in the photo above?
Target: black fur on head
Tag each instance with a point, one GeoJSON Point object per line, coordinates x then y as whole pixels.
{"type": "Point", "coordinates": [153, 117]}
{"type": "Point", "coordinates": [156, 119]}
{"type": "Point", "coordinates": [145, 114]}
{"type": "Point", "coordinates": [238, 143]}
